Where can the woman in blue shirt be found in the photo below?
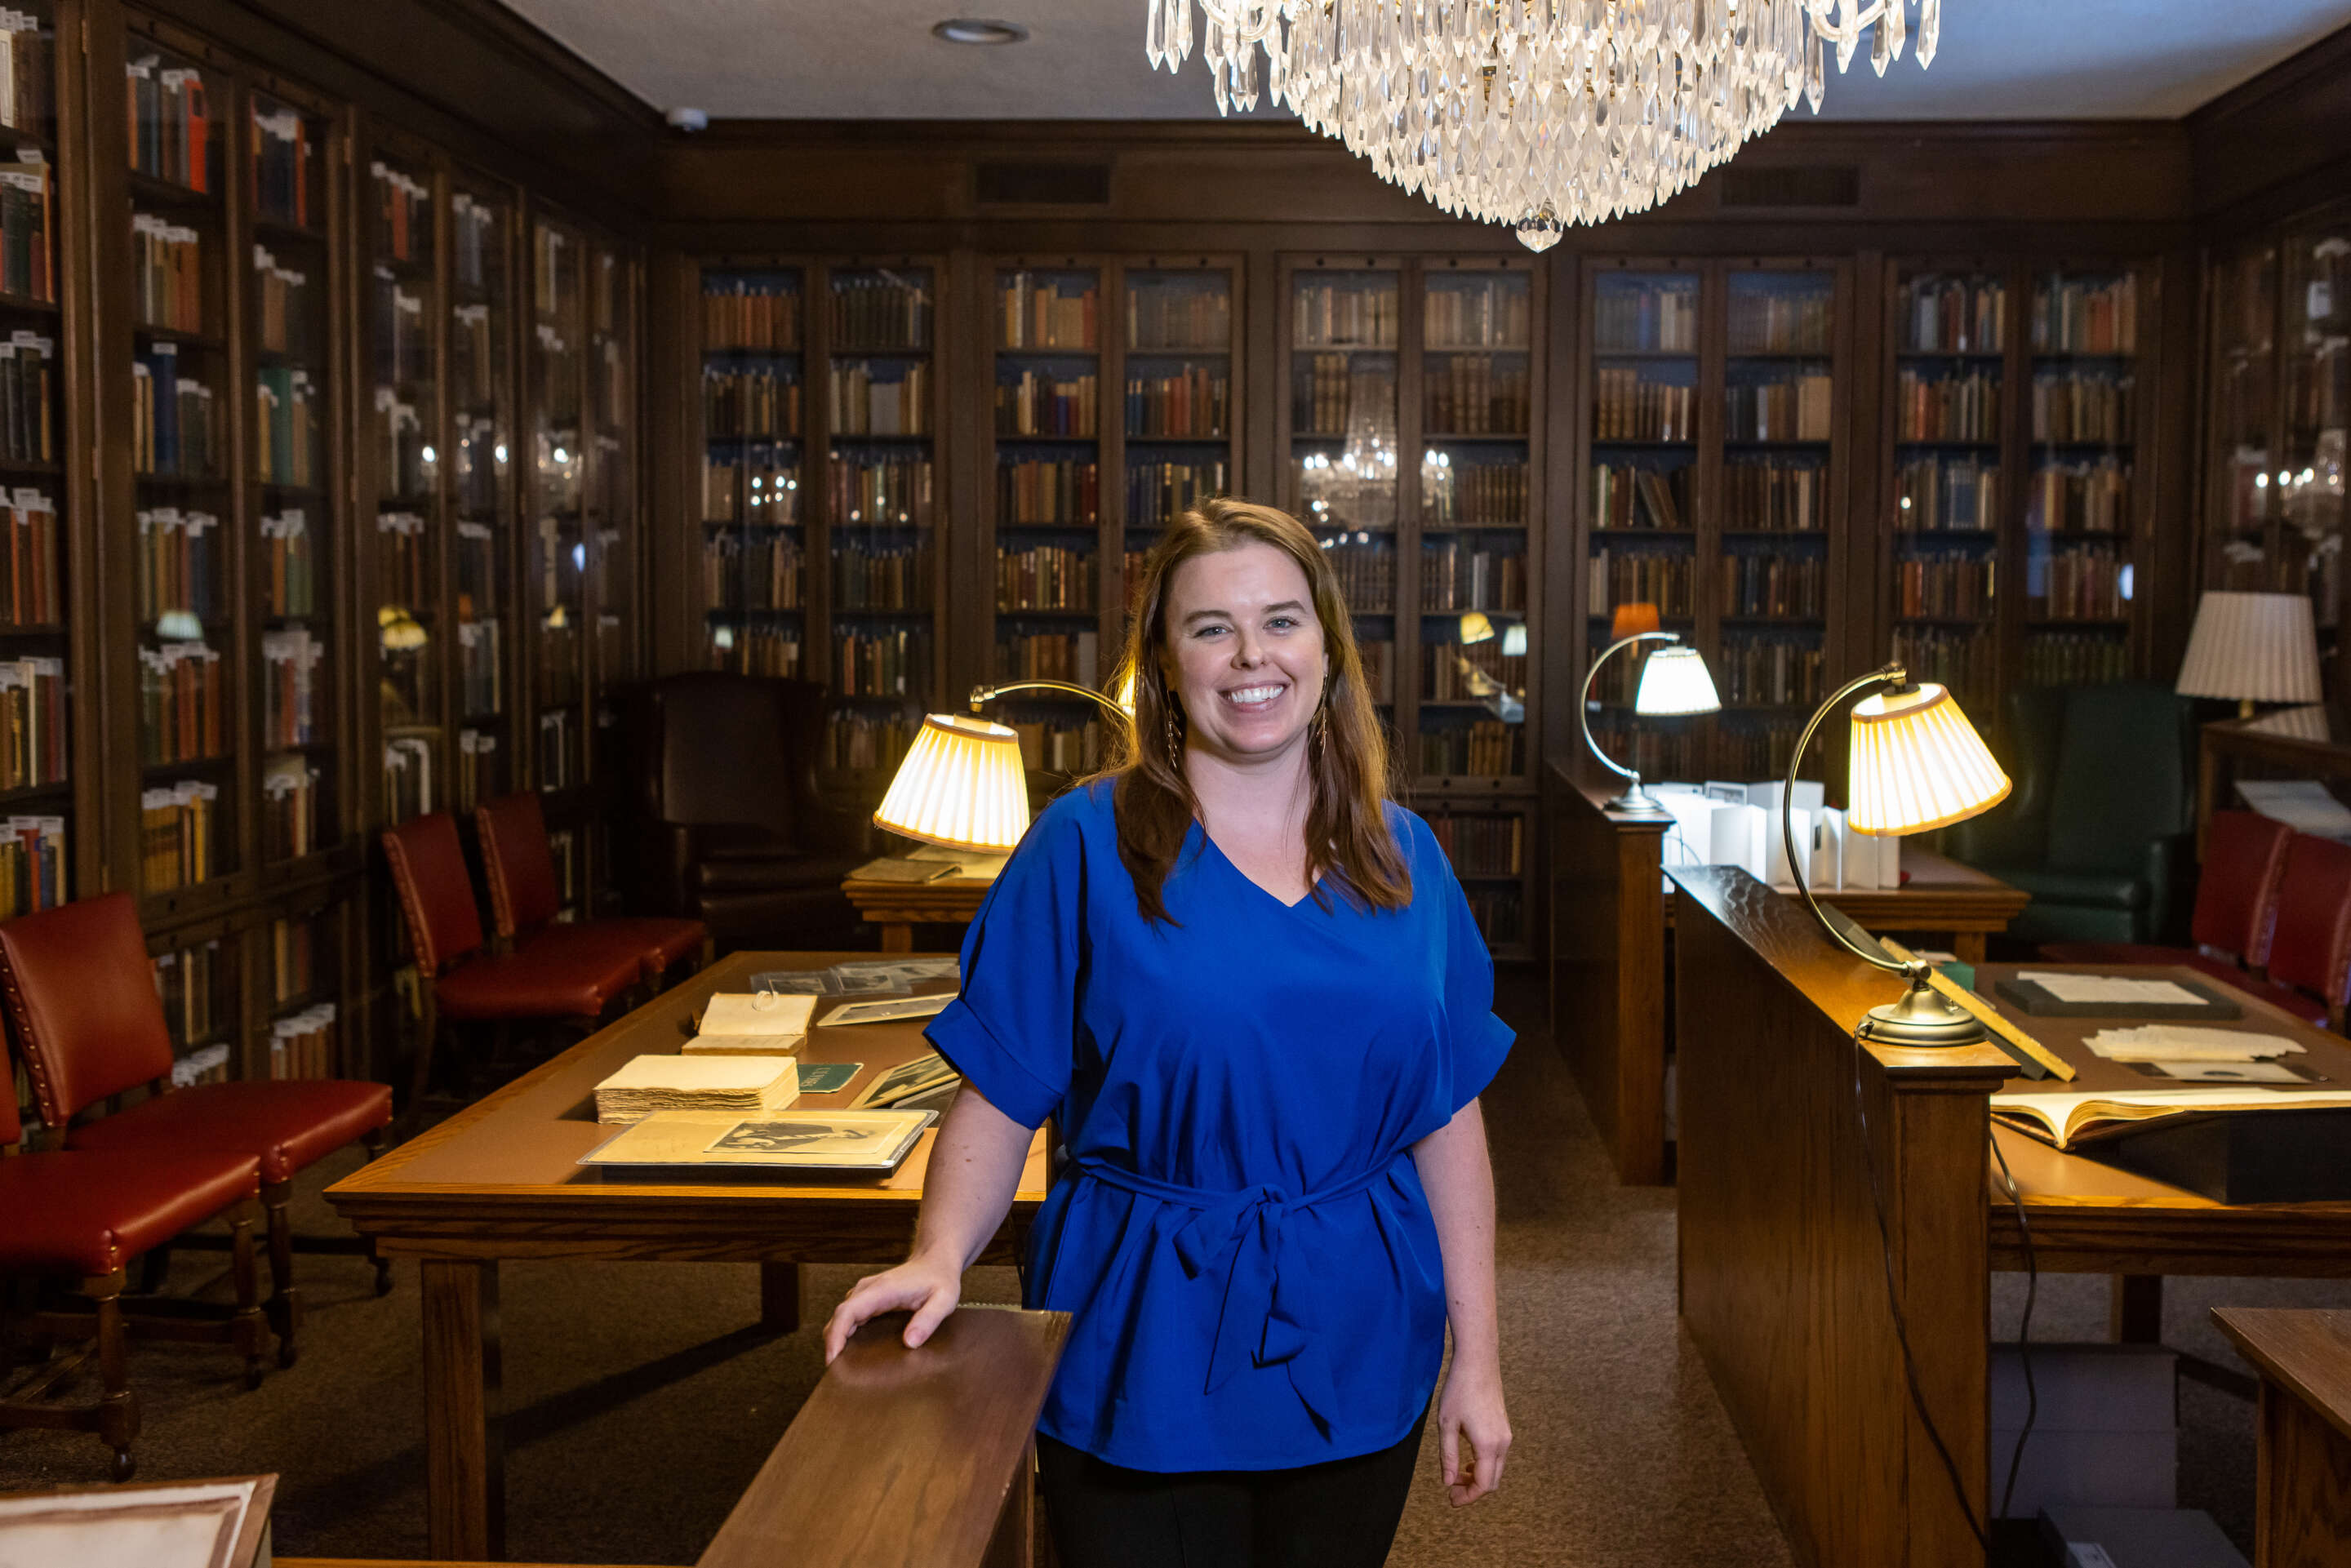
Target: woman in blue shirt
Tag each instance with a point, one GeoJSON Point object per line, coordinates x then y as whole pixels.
{"type": "Point", "coordinates": [1250, 987]}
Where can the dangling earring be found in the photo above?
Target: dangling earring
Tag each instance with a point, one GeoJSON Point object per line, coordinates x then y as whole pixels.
{"type": "Point", "coordinates": [1321, 724]}
{"type": "Point", "coordinates": [1175, 742]}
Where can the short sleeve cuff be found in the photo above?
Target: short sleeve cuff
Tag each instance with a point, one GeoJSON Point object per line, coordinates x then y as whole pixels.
{"type": "Point", "coordinates": [1477, 1054]}
{"type": "Point", "coordinates": [973, 1051]}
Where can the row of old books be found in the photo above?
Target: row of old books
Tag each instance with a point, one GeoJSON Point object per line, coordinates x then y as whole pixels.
{"type": "Point", "coordinates": [1966, 661]}
{"type": "Point", "coordinates": [1158, 491]}
{"type": "Point", "coordinates": [402, 214]}
{"type": "Point", "coordinates": [2074, 659]}
{"type": "Point", "coordinates": [1627, 406]}
{"type": "Point", "coordinates": [867, 487]}
{"type": "Point", "coordinates": [28, 562]}
{"type": "Point", "coordinates": [2082, 583]}
{"type": "Point", "coordinates": [1046, 656]}
{"type": "Point", "coordinates": [177, 834]}
{"type": "Point", "coordinates": [1486, 749]}
{"type": "Point", "coordinates": [1954, 316]}
{"type": "Point", "coordinates": [758, 482]}
{"type": "Point", "coordinates": [1485, 313]}
{"type": "Point", "coordinates": [289, 565]}
{"type": "Point", "coordinates": [1472, 394]}
{"type": "Point", "coordinates": [473, 365]}
{"type": "Point", "coordinates": [289, 808]}
{"type": "Point", "coordinates": [289, 668]}
{"type": "Point", "coordinates": [770, 650]}
{"type": "Point", "coordinates": [1772, 585]}
{"type": "Point", "coordinates": [1457, 576]}
{"type": "Point", "coordinates": [1170, 318]}
{"type": "Point", "coordinates": [1949, 406]}
{"type": "Point", "coordinates": [880, 577]}
{"type": "Point", "coordinates": [1945, 584]}
{"type": "Point", "coordinates": [879, 310]}
{"type": "Point", "coordinates": [867, 740]}
{"type": "Point", "coordinates": [1768, 496]}
{"type": "Point", "coordinates": [1044, 577]}
{"type": "Point", "coordinates": [181, 704]}
{"type": "Point", "coordinates": [881, 663]}
{"type": "Point", "coordinates": [406, 470]}
{"type": "Point", "coordinates": [401, 556]}
{"type": "Point", "coordinates": [1763, 322]}
{"type": "Point", "coordinates": [171, 418]}
{"type": "Point", "coordinates": [167, 274]}
{"type": "Point", "coordinates": [1045, 313]}
{"type": "Point", "coordinates": [26, 220]}
{"type": "Point", "coordinates": [756, 311]}
{"type": "Point", "coordinates": [32, 865]}
{"type": "Point", "coordinates": [171, 122]}
{"type": "Point", "coordinates": [303, 1045]}
{"type": "Point", "coordinates": [2080, 498]}
{"type": "Point", "coordinates": [1768, 672]}
{"type": "Point", "coordinates": [403, 338]}
{"type": "Point", "coordinates": [1645, 317]}
{"type": "Point", "coordinates": [285, 297]}
{"type": "Point", "coordinates": [1943, 494]}
{"type": "Point", "coordinates": [1482, 846]}
{"type": "Point", "coordinates": [1059, 746]}
{"type": "Point", "coordinates": [2081, 405]}
{"type": "Point", "coordinates": [27, 426]}
{"type": "Point", "coordinates": [2085, 316]}
{"type": "Point", "coordinates": [1500, 913]}
{"type": "Point", "coordinates": [1365, 570]}
{"type": "Point", "coordinates": [481, 669]}
{"type": "Point", "coordinates": [1661, 578]}
{"type": "Point", "coordinates": [1793, 409]}
{"type": "Point", "coordinates": [1322, 392]}
{"type": "Point", "coordinates": [179, 566]}
{"type": "Point", "coordinates": [1332, 315]}
{"type": "Point", "coordinates": [293, 960]}
{"type": "Point", "coordinates": [28, 67]}
{"type": "Point", "coordinates": [187, 983]}
{"type": "Point", "coordinates": [1634, 496]}
{"type": "Point", "coordinates": [1454, 494]}
{"type": "Point", "coordinates": [285, 163]}
{"type": "Point", "coordinates": [1032, 491]}
{"type": "Point", "coordinates": [883, 398]}
{"type": "Point", "coordinates": [1040, 403]}
{"type": "Point", "coordinates": [32, 722]}
{"type": "Point", "coordinates": [762, 572]}
{"type": "Point", "coordinates": [286, 427]}
{"type": "Point", "coordinates": [1182, 403]}
{"type": "Point", "coordinates": [408, 781]}
{"type": "Point", "coordinates": [750, 398]}
{"type": "Point", "coordinates": [558, 768]}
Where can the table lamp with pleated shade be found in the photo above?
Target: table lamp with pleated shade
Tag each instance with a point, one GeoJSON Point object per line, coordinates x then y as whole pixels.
{"type": "Point", "coordinates": [2251, 648]}
{"type": "Point", "coordinates": [1674, 684]}
{"type": "Point", "coordinates": [1632, 620]}
{"type": "Point", "coordinates": [962, 786]}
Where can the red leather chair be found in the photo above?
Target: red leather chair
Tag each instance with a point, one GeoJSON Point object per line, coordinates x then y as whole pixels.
{"type": "Point", "coordinates": [2310, 947]}
{"type": "Point", "coordinates": [524, 900]}
{"type": "Point", "coordinates": [83, 1005]}
{"type": "Point", "coordinates": [2236, 905]}
{"type": "Point", "coordinates": [464, 984]}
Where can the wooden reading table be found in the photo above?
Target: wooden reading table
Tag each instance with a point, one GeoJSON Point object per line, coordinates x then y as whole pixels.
{"type": "Point", "coordinates": [897, 907]}
{"type": "Point", "coordinates": [502, 1179]}
{"type": "Point", "coordinates": [2302, 1516]}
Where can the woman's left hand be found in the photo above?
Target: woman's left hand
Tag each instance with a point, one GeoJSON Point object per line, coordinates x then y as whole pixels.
{"type": "Point", "coordinates": [1471, 1411]}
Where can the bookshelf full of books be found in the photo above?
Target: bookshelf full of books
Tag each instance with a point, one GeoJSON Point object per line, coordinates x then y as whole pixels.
{"type": "Point", "coordinates": [2081, 515]}
{"type": "Point", "coordinates": [752, 565]}
{"type": "Point", "coordinates": [483, 760]}
{"type": "Point", "coordinates": [609, 519]}
{"type": "Point", "coordinates": [401, 215]}
{"type": "Point", "coordinates": [300, 977]}
{"type": "Point", "coordinates": [36, 787]}
{"type": "Point", "coordinates": [554, 597]}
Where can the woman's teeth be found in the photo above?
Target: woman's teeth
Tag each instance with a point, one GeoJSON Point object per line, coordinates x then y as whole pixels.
{"type": "Point", "coordinates": [1249, 696]}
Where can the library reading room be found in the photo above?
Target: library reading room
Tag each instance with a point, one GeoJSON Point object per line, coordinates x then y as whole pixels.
{"type": "Point", "coordinates": [634, 635]}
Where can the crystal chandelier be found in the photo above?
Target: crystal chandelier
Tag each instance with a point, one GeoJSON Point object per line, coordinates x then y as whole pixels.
{"type": "Point", "coordinates": [1536, 113]}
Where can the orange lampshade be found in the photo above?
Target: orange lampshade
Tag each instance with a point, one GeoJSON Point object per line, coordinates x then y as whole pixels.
{"type": "Point", "coordinates": [1632, 620]}
{"type": "Point", "coordinates": [961, 786]}
{"type": "Point", "coordinates": [1917, 764]}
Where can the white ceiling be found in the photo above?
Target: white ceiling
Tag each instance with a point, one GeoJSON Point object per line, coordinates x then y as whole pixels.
{"type": "Point", "coordinates": [875, 59]}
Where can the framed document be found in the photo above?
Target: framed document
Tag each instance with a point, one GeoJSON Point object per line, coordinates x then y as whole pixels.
{"type": "Point", "coordinates": [181, 1524]}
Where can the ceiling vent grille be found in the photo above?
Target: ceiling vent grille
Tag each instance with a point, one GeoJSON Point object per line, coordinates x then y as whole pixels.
{"type": "Point", "coordinates": [1819, 186]}
{"type": "Point", "coordinates": [1044, 184]}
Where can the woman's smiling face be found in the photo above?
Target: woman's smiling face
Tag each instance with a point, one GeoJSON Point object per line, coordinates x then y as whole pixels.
{"type": "Point", "coordinates": [1244, 652]}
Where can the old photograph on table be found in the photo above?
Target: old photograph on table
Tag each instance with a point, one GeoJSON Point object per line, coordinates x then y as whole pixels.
{"type": "Point", "coordinates": [928, 1071]}
{"type": "Point", "coordinates": [675, 1141]}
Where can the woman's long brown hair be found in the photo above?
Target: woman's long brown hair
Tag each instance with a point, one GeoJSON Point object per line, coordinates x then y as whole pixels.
{"type": "Point", "coordinates": [1347, 833]}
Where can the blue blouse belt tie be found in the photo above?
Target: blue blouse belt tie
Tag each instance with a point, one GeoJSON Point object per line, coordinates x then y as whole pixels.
{"type": "Point", "coordinates": [1244, 1235]}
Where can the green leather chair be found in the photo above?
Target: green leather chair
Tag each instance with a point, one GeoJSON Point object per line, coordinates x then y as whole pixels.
{"type": "Point", "coordinates": [2100, 828]}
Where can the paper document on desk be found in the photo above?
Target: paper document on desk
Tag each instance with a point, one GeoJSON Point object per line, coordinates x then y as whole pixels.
{"type": "Point", "coordinates": [2302, 804]}
{"type": "Point", "coordinates": [2111, 989]}
{"type": "Point", "coordinates": [2230, 1072]}
{"type": "Point", "coordinates": [2187, 1042]}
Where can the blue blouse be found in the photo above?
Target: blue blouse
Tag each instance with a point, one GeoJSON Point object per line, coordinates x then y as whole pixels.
{"type": "Point", "coordinates": [1242, 1238]}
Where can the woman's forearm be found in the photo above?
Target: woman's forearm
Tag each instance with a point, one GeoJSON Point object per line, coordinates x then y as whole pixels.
{"type": "Point", "coordinates": [975, 1169]}
{"type": "Point", "coordinates": [1460, 1180]}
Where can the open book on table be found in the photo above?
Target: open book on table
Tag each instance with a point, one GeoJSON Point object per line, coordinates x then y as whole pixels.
{"type": "Point", "coordinates": [2072, 1119]}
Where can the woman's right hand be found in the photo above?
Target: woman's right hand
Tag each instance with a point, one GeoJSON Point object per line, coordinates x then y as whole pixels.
{"type": "Point", "coordinates": [925, 1286]}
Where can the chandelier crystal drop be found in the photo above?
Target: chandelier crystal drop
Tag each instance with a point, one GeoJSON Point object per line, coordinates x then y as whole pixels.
{"type": "Point", "coordinates": [1536, 113]}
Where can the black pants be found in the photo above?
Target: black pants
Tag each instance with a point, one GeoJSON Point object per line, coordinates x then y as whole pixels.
{"type": "Point", "coordinates": [1339, 1514]}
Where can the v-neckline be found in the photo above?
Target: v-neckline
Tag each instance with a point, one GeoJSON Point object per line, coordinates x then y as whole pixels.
{"type": "Point", "coordinates": [1270, 896]}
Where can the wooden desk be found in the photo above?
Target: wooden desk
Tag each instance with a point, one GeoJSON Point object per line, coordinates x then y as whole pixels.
{"type": "Point", "coordinates": [1611, 912]}
{"type": "Point", "coordinates": [2302, 1516]}
{"type": "Point", "coordinates": [501, 1179]}
{"type": "Point", "coordinates": [897, 907]}
{"type": "Point", "coordinates": [2311, 742]}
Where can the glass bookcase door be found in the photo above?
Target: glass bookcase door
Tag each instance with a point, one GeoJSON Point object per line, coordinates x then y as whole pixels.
{"type": "Point", "coordinates": [180, 124]}
{"type": "Point", "coordinates": [1950, 340]}
{"type": "Point", "coordinates": [292, 262]}
{"type": "Point", "coordinates": [2078, 507]}
{"type": "Point", "coordinates": [1475, 425]}
{"type": "Point", "coordinates": [754, 423]}
{"type": "Point", "coordinates": [1642, 522]}
{"type": "Point", "coordinates": [1180, 415]}
{"type": "Point", "coordinates": [301, 969]}
{"type": "Point", "coordinates": [2249, 553]}
{"type": "Point", "coordinates": [35, 785]}
{"type": "Point", "coordinates": [196, 982]}
{"type": "Point", "coordinates": [2315, 363]}
{"type": "Point", "coordinates": [1049, 440]}
{"type": "Point", "coordinates": [1345, 330]}
{"type": "Point", "coordinates": [611, 523]}
{"type": "Point", "coordinates": [555, 591]}
{"type": "Point", "coordinates": [482, 426]}
{"type": "Point", "coordinates": [881, 513]}
{"type": "Point", "coordinates": [404, 409]}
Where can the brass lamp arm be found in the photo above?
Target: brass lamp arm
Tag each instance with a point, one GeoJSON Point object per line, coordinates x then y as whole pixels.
{"type": "Point", "coordinates": [1892, 675]}
{"type": "Point", "coordinates": [1584, 704]}
{"type": "Point", "coordinates": [982, 695]}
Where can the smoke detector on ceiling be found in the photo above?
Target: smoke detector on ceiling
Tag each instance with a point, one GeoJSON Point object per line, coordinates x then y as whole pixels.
{"type": "Point", "coordinates": [979, 30]}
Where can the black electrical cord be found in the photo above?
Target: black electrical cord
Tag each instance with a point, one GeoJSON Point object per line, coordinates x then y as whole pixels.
{"type": "Point", "coordinates": [2024, 1329]}
{"type": "Point", "coordinates": [1894, 1305]}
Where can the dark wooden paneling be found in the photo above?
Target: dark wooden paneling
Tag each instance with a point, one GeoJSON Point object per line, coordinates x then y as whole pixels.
{"type": "Point", "coordinates": [2276, 144]}
{"type": "Point", "coordinates": [1608, 967]}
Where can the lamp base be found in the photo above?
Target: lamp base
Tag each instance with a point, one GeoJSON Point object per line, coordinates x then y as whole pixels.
{"type": "Point", "coordinates": [1636, 801]}
{"type": "Point", "coordinates": [1924, 1016]}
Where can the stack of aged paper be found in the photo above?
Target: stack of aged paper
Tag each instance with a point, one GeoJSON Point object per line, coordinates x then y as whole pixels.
{"type": "Point", "coordinates": [742, 1084]}
{"type": "Point", "coordinates": [740, 1024]}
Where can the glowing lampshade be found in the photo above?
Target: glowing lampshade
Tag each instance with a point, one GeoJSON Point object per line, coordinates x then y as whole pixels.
{"type": "Point", "coordinates": [1675, 681]}
{"type": "Point", "coordinates": [1476, 626]}
{"type": "Point", "coordinates": [1632, 620]}
{"type": "Point", "coordinates": [961, 786]}
{"type": "Point", "coordinates": [2251, 647]}
{"type": "Point", "coordinates": [1917, 764]}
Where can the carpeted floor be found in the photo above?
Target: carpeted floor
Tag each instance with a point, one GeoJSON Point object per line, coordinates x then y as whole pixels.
{"type": "Point", "coordinates": [641, 1400]}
